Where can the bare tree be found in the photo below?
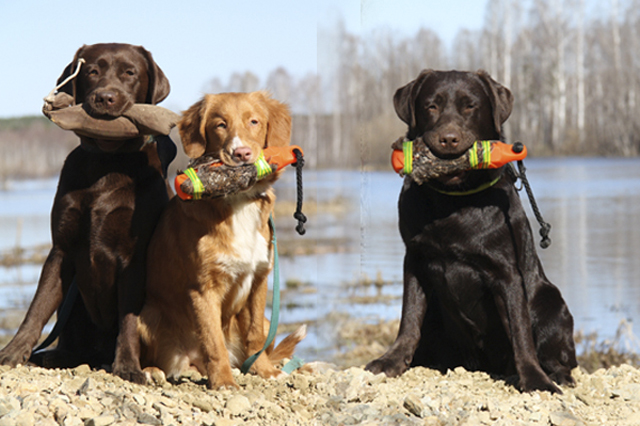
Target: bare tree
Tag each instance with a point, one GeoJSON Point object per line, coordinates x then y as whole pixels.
{"type": "Point", "coordinates": [280, 83]}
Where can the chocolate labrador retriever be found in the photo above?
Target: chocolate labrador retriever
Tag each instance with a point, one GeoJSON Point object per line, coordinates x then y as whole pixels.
{"type": "Point", "coordinates": [109, 198]}
{"type": "Point", "coordinates": [475, 294]}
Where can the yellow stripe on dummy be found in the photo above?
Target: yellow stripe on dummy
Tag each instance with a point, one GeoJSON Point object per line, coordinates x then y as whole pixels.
{"type": "Point", "coordinates": [262, 166]}
{"type": "Point", "coordinates": [486, 154]}
{"type": "Point", "coordinates": [473, 156]}
{"type": "Point", "coordinates": [198, 187]}
{"type": "Point", "coordinates": [475, 162]}
{"type": "Point", "coordinates": [407, 148]}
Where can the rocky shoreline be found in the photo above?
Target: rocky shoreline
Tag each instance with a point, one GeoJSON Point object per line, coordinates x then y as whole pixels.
{"type": "Point", "coordinates": [322, 395]}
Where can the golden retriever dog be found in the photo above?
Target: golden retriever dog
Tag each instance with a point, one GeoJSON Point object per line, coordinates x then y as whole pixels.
{"type": "Point", "coordinates": [209, 260]}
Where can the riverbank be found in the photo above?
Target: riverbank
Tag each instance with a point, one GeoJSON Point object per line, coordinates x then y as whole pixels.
{"type": "Point", "coordinates": [325, 396]}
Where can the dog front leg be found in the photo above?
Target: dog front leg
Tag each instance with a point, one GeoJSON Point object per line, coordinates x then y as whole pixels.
{"type": "Point", "coordinates": [208, 314]}
{"type": "Point", "coordinates": [414, 306]}
{"type": "Point", "coordinates": [131, 288]}
{"type": "Point", "coordinates": [252, 327]}
{"type": "Point", "coordinates": [48, 297]}
{"type": "Point", "coordinates": [514, 312]}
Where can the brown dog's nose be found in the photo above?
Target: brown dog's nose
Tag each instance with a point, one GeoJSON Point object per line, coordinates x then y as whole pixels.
{"type": "Point", "coordinates": [242, 154]}
{"type": "Point", "coordinates": [450, 139]}
{"type": "Point", "coordinates": [106, 97]}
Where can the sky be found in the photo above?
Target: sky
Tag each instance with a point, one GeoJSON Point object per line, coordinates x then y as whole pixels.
{"type": "Point", "coordinates": [194, 41]}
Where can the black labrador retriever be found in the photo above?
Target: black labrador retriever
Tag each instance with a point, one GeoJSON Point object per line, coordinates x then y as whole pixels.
{"type": "Point", "coordinates": [475, 294]}
{"type": "Point", "coordinates": [109, 198]}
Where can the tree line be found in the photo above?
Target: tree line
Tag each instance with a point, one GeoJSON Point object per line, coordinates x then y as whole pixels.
{"type": "Point", "coordinates": [572, 65]}
{"type": "Point", "coordinates": [573, 68]}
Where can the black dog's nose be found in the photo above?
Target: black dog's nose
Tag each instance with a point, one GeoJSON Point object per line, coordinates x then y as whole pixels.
{"type": "Point", "coordinates": [450, 139]}
{"type": "Point", "coordinates": [106, 97]}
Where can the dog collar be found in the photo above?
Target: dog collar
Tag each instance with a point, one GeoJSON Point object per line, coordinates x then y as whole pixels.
{"type": "Point", "coordinates": [480, 188]}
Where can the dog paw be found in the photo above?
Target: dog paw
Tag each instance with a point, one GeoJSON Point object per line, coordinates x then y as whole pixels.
{"type": "Point", "coordinates": [563, 378]}
{"type": "Point", "coordinates": [132, 374]}
{"type": "Point", "coordinates": [270, 373]}
{"type": "Point", "coordinates": [223, 385]}
{"type": "Point", "coordinates": [154, 376]}
{"type": "Point", "coordinates": [539, 383]}
{"type": "Point", "coordinates": [392, 367]}
{"type": "Point", "coordinates": [12, 357]}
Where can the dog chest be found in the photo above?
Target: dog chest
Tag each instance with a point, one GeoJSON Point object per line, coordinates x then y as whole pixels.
{"type": "Point", "coordinates": [251, 251]}
{"type": "Point", "coordinates": [241, 252]}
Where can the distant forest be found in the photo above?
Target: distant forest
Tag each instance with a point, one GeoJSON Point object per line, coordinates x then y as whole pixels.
{"type": "Point", "coordinates": [574, 72]}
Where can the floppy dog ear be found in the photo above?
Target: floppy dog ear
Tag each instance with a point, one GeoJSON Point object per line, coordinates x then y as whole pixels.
{"type": "Point", "coordinates": [500, 97]}
{"type": "Point", "coordinates": [279, 122]}
{"type": "Point", "coordinates": [70, 88]}
{"type": "Point", "coordinates": [158, 83]}
{"type": "Point", "coordinates": [192, 129]}
{"type": "Point", "coordinates": [405, 98]}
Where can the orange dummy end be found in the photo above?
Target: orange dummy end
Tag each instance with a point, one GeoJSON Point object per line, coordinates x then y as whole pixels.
{"type": "Point", "coordinates": [177, 186]}
{"type": "Point", "coordinates": [503, 153]}
{"type": "Point", "coordinates": [282, 156]}
{"type": "Point", "coordinates": [397, 160]}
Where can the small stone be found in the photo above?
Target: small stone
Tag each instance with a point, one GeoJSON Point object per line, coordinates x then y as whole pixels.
{"type": "Point", "coordinates": [225, 422]}
{"type": "Point", "coordinates": [81, 370]}
{"type": "Point", "coordinates": [25, 419]}
{"type": "Point", "coordinates": [8, 404]}
{"type": "Point", "coordinates": [203, 404]}
{"type": "Point", "coordinates": [413, 404]}
{"type": "Point", "coordinates": [355, 387]}
{"type": "Point", "coordinates": [139, 399]}
{"type": "Point", "coordinates": [237, 405]}
{"type": "Point", "coordinates": [628, 392]}
{"type": "Point", "coordinates": [459, 370]}
{"type": "Point", "coordinates": [561, 418]}
{"type": "Point", "coordinates": [26, 389]}
{"type": "Point", "coordinates": [101, 421]}
{"type": "Point", "coordinates": [72, 421]}
{"type": "Point", "coordinates": [148, 419]}
{"type": "Point", "coordinates": [535, 417]}
{"type": "Point", "coordinates": [87, 386]}
{"type": "Point", "coordinates": [300, 382]}
{"type": "Point", "coordinates": [484, 417]}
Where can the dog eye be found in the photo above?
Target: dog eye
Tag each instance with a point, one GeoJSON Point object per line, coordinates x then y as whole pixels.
{"type": "Point", "coordinates": [130, 72]}
{"type": "Point", "coordinates": [254, 122]}
{"type": "Point", "coordinates": [432, 107]}
{"type": "Point", "coordinates": [93, 72]}
{"type": "Point", "coordinates": [222, 125]}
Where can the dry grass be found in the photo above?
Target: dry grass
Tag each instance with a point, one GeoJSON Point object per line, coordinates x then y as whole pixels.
{"type": "Point", "coordinates": [595, 353]}
{"type": "Point", "coordinates": [32, 147]}
{"type": "Point", "coordinates": [359, 341]}
{"type": "Point", "coordinates": [20, 256]}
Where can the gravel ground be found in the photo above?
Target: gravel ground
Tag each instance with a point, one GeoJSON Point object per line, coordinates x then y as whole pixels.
{"type": "Point", "coordinates": [325, 396]}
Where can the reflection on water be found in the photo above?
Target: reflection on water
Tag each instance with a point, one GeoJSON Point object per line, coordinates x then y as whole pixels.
{"type": "Point", "coordinates": [593, 206]}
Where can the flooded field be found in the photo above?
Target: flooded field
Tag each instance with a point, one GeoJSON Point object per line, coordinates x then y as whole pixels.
{"type": "Point", "coordinates": [349, 263]}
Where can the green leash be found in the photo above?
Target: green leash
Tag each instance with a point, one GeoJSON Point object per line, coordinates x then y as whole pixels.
{"type": "Point", "coordinates": [275, 313]}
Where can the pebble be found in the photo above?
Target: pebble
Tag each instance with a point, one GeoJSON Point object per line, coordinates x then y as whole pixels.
{"type": "Point", "coordinates": [237, 405]}
{"type": "Point", "coordinates": [101, 421]}
{"type": "Point", "coordinates": [414, 405]}
{"type": "Point", "coordinates": [85, 397]}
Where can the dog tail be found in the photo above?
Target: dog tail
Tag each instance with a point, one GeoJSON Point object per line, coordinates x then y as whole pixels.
{"type": "Point", "coordinates": [286, 348]}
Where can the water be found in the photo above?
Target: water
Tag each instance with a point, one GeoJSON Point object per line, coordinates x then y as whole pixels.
{"type": "Point", "coordinates": [593, 206]}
